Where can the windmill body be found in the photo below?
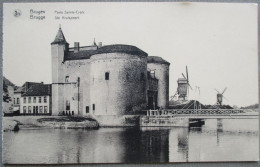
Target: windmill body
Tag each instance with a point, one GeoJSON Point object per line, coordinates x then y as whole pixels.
{"type": "Point", "coordinates": [220, 96]}
{"type": "Point", "coordinates": [183, 86]}
{"type": "Point", "coordinates": [182, 89]}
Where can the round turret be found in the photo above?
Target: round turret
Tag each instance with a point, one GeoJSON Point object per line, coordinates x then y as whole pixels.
{"type": "Point", "coordinates": [118, 80]}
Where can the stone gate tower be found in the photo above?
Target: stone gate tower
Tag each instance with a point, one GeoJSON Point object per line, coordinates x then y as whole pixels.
{"type": "Point", "coordinates": [58, 49]}
{"type": "Point", "coordinates": [106, 81]}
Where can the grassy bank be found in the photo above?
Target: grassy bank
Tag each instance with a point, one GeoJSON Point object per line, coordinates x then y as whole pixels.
{"type": "Point", "coordinates": [40, 122]}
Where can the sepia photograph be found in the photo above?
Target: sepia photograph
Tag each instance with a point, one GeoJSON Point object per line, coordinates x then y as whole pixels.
{"type": "Point", "coordinates": [129, 82]}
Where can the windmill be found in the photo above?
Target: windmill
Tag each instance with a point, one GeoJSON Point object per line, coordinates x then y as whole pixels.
{"type": "Point", "coordinates": [220, 96]}
{"type": "Point", "coordinates": [183, 86]}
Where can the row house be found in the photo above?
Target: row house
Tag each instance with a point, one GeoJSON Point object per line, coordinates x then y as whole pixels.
{"type": "Point", "coordinates": [36, 100]}
{"type": "Point", "coordinates": [16, 99]}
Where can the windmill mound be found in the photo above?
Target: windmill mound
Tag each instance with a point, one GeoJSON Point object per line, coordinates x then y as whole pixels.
{"type": "Point", "coordinates": [193, 104]}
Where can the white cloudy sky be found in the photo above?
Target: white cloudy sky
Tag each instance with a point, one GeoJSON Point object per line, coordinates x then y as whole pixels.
{"type": "Point", "coordinates": [218, 41]}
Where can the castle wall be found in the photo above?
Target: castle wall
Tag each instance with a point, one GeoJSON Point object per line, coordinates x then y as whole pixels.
{"type": "Point", "coordinates": [105, 83]}
{"type": "Point", "coordinates": [125, 90]}
{"type": "Point", "coordinates": [162, 74]}
{"type": "Point", "coordinates": [74, 70]}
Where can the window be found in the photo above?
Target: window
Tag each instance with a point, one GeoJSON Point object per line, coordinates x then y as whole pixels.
{"type": "Point", "coordinates": [127, 76]}
{"type": "Point", "coordinates": [14, 100]}
{"type": "Point", "coordinates": [18, 101]}
{"type": "Point", "coordinates": [24, 109]}
{"type": "Point", "coordinates": [24, 100]}
{"type": "Point", "coordinates": [66, 79]}
{"type": "Point", "coordinates": [87, 109]}
{"type": "Point", "coordinates": [34, 110]}
{"type": "Point", "coordinates": [29, 109]}
{"type": "Point", "coordinates": [40, 99]}
{"type": "Point", "coordinates": [93, 106]}
{"type": "Point", "coordinates": [34, 99]}
{"type": "Point", "coordinates": [45, 109]}
{"type": "Point", "coordinates": [142, 76]}
{"type": "Point", "coordinates": [152, 73]}
{"type": "Point", "coordinates": [29, 99]}
{"type": "Point", "coordinates": [40, 109]}
{"type": "Point", "coordinates": [107, 76]}
{"type": "Point", "coordinates": [45, 99]}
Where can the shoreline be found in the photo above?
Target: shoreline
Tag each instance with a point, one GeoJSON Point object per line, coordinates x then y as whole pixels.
{"type": "Point", "coordinates": [16, 123]}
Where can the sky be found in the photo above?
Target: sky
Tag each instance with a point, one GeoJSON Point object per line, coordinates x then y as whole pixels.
{"type": "Point", "coordinates": [217, 41]}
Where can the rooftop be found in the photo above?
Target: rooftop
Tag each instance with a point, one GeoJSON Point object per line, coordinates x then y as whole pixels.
{"type": "Point", "coordinates": [86, 54]}
{"type": "Point", "coordinates": [156, 59]}
{"type": "Point", "coordinates": [20, 89]}
{"type": "Point", "coordinates": [26, 86]}
{"type": "Point", "coordinates": [39, 90]}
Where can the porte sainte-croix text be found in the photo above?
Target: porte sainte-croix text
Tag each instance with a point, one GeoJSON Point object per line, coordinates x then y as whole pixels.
{"type": "Point", "coordinates": [68, 15]}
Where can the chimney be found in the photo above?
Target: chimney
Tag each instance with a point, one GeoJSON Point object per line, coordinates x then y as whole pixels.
{"type": "Point", "coordinates": [100, 44]}
{"type": "Point", "coordinates": [76, 47]}
{"type": "Point", "coordinates": [41, 82]}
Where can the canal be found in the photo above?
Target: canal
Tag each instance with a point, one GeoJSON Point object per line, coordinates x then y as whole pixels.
{"type": "Point", "coordinates": [217, 140]}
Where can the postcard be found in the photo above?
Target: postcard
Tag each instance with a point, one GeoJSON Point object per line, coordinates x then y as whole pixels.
{"type": "Point", "coordinates": [130, 82]}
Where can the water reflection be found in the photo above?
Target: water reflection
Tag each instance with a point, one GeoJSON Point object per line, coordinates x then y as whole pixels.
{"type": "Point", "coordinates": [217, 140]}
{"type": "Point", "coordinates": [179, 145]}
{"type": "Point", "coordinates": [146, 145]}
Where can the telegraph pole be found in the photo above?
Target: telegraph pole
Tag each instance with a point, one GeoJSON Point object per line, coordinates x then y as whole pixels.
{"type": "Point", "coordinates": [78, 94]}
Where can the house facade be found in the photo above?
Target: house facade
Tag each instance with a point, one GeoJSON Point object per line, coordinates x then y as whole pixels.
{"type": "Point", "coordinates": [19, 91]}
{"type": "Point", "coordinates": [36, 100]}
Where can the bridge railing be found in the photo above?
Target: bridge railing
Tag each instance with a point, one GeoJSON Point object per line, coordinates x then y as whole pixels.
{"type": "Point", "coordinates": [167, 112]}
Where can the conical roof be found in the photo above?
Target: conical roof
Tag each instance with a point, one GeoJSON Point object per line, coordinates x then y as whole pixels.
{"type": "Point", "coordinates": [60, 38]}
